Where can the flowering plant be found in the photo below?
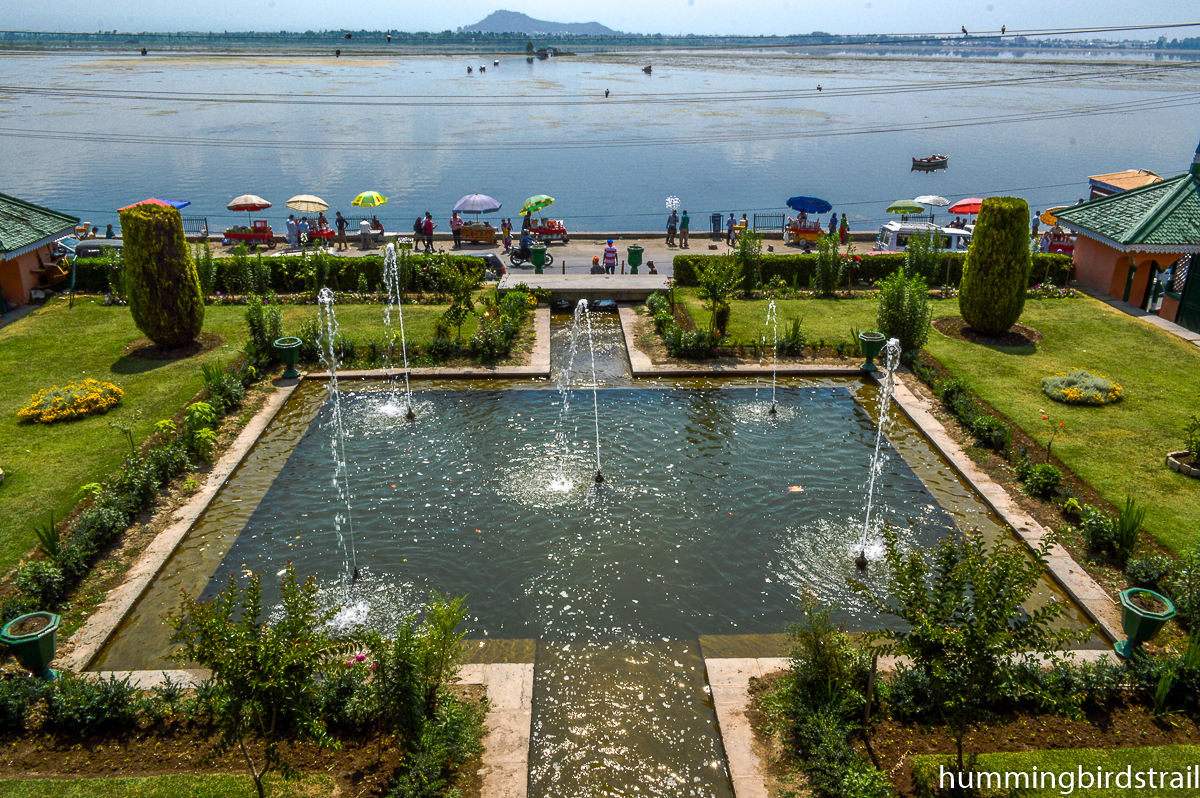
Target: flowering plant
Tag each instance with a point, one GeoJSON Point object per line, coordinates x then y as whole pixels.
{"type": "Point", "coordinates": [1054, 430]}
{"type": "Point", "coordinates": [73, 400]}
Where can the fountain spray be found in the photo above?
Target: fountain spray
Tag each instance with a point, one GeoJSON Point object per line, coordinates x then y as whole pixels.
{"type": "Point", "coordinates": [327, 346]}
{"type": "Point", "coordinates": [391, 279]}
{"type": "Point", "coordinates": [583, 307]}
{"type": "Point", "coordinates": [892, 351]}
{"type": "Point", "coordinates": [773, 321]}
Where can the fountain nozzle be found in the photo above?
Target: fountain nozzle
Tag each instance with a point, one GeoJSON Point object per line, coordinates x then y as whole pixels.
{"type": "Point", "coordinates": [772, 411]}
{"type": "Point", "coordinates": [599, 477]}
{"type": "Point", "coordinates": [410, 415]}
{"type": "Point", "coordinates": [860, 562]}
{"type": "Point", "coordinates": [356, 576]}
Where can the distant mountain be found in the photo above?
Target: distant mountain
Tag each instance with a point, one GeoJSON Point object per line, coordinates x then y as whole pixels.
{"type": "Point", "coordinates": [514, 22]}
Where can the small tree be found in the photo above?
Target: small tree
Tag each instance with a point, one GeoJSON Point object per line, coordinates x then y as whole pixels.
{"type": "Point", "coordinates": [966, 626]}
{"type": "Point", "coordinates": [160, 277]}
{"type": "Point", "coordinates": [749, 256]}
{"type": "Point", "coordinates": [829, 266]}
{"type": "Point", "coordinates": [718, 280]}
{"type": "Point", "coordinates": [996, 269]}
{"type": "Point", "coordinates": [529, 48]}
{"type": "Point", "coordinates": [264, 675]}
{"type": "Point", "coordinates": [903, 311]}
{"type": "Point", "coordinates": [461, 281]}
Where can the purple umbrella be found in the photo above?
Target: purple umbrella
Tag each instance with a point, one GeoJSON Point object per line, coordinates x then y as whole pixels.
{"type": "Point", "coordinates": [477, 203]}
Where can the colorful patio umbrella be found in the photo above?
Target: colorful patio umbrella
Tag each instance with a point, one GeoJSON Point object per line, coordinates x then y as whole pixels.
{"type": "Point", "coordinates": [809, 205]}
{"type": "Point", "coordinates": [369, 199]}
{"type": "Point", "coordinates": [176, 204]}
{"type": "Point", "coordinates": [307, 203]}
{"type": "Point", "coordinates": [477, 203]}
{"type": "Point", "coordinates": [968, 206]}
{"type": "Point", "coordinates": [906, 207]}
{"type": "Point", "coordinates": [535, 204]}
{"type": "Point", "coordinates": [1050, 215]}
{"type": "Point", "coordinates": [248, 203]}
{"type": "Point", "coordinates": [932, 199]}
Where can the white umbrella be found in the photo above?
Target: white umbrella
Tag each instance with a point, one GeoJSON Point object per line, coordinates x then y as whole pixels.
{"type": "Point", "coordinates": [307, 203]}
{"type": "Point", "coordinates": [248, 203]}
{"type": "Point", "coordinates": [932, 199]}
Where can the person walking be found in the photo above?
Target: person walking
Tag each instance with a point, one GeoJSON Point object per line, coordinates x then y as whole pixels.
{"type": "Point", "coordinates": [341, 223]}
{"type": "Point", "coordinates": [292, 230]}
{"type": "Point", "coordinates": [729, 223]}
{"type": "Point", "coordinates": [685, 222]}
{"type": "Point", "coordinates": [833, 225]}
{"type": "Point", "coordinates": [364, 230]}
{"type": "Point", "coordinates": [672, 222]}
{"type": "Point", "coordinates": [418, 232]}
{"type": "Point", "coordinates": [429, 227]}
{"type": "Point", "coordinates": [610, 258]}
{"type": "Point", "coordinates": [456, 224]}
{"type": "Point", "coordinates": [844, 229]}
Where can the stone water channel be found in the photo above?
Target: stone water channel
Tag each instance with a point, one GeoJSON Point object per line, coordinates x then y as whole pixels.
{"type": "Point", "coordinates": [714, 518]}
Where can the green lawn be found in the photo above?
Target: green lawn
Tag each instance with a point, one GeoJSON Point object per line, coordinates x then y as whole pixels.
{"type": "Point", "coordinates": [209, 786]}
{"type": "Point", "coordinates": [1067, 772]}
{"type": "Point", "coordinates": [1119, 449]}
{"type": "Point", "coordinates": [46, 464]}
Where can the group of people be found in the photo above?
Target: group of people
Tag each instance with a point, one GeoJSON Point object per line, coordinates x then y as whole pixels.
{"type": "Point", "coordinates": [959, 223]}
{"type": "Point", "coordinates": [299, 231]}
{"type": "Point", "coordinates": [423, 229]}
{"type": "Point", "coordinates": [680, 225]}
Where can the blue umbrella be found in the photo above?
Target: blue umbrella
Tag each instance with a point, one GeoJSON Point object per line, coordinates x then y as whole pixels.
{"type": "Point", "coordinates": [809, 205]}
{"type": "Point", "coordinates": [477, 203]}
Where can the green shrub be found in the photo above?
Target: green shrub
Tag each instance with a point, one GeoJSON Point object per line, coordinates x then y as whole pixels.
{"type": "Point", "coordinates": [264, 322]}
{"type": "Point", "coordinates": [1080, 387]}
{"type": "Point", "coordinates": [41, 582]}
{"type": "Point", "coordinates": [84, 704]}
{"type": "Point", "coordinates": [903, 311]}
{"type": "Point", "coordinates": [1098, 529]}
{"type": "Point", "coordinates": [1129, 526]}
{"type": "Point", "coordinates": [1191, 436]}
{"type": "Point", "coordinates": [693, 344]}
{"type": "Point", "coordinates": [1149, 571]}
{"type": "Point", "coordinates": [1043, 480]}
{"type": "Point", "coordinates": [1184, 588]}
{"type": "Point", "coordinates": [17, 696]}
{"type": "Point", "coordinates": [990, 432]}
{"type": "Point", "coordinates": [793, 340]}
{"type": "Point", "coordinates": [996, 272]}
{"type": "Point", "coordinates": [206, 268]}
{"type": "Point", "coordinates": [163, 286]}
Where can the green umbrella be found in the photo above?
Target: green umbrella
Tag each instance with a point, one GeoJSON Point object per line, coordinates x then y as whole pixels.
{"type": "Point", "coordinates": [535, 204]}
{"type": "Point", "coordinates": [906, 207]}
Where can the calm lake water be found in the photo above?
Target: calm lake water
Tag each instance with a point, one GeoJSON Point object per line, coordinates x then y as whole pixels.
{"type": "Point", "coordinates": [725, 131]}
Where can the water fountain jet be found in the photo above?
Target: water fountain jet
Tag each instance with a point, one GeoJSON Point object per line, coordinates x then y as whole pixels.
{"type": "Point", "coordinates": [391, 280]}
{"type": "Point", "coordinates": [773, 321]}
{"type": "Point", "coordinates": [892, 352]}
{"type": "Point", "coordinates": [327, 347]}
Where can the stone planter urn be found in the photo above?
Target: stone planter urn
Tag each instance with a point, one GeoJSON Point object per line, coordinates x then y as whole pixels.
{"type": "Point", "coordinates": [288, 350]}
{"type": "Point", "coordinates": [872, 344]}
{"type": "Point", "coordinates": [1181, 462]}
{"type": "Point", "coordinates": [31, 639]}
{"type": "Point", "coordinates": [1139, 623]}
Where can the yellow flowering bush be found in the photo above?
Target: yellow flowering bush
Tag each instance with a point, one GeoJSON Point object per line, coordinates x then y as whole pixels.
{"type": "Point", "coordinates": [71, 401]}
{"type": "Point", "coordinates": [1081, 387]}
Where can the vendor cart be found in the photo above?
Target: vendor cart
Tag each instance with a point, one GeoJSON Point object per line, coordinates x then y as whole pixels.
{"type": "Point", "coordinates": [259, 233]}
{"type": "Point", "coordinates": [802, 231]}
{"type": "Point", "coordinates": [550, 230]}
{"type": "Point", "coordinates": [478, 233]}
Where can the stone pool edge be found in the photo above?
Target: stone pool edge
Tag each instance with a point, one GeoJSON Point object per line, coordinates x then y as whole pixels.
{"type": "Point", "coordinates": [508, 723]}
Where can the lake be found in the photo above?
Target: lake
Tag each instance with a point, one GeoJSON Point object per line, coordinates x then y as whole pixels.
{"type": "Point", "coordinates": [738, 130]}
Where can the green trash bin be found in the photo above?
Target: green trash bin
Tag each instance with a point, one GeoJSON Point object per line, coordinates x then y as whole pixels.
{"type": "Point", "coordinates": [537, 254]}
{"type": "Point", "coordinates": [635, 258]}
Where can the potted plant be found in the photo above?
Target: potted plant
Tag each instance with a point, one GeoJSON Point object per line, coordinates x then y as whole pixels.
{"type": "Point", "coordinates": [31, 639]}
{"type": "Point", "coordinates": [1143, 613]}
{"type": "Point", "coordinates": [871, 343]}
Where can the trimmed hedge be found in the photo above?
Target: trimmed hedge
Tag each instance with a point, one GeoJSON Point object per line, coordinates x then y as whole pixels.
{"type": "Point", "coordinates": [798, 269]}
{"type": "Point", "coordinates": [998, 266]}
{"type": "Point", "coordinates": [160, 277]}
{"type": "Point", "coordinates": [287, 272]}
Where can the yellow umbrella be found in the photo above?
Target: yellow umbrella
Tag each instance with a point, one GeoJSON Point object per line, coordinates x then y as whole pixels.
{"type": "Point", "coordinates": [1049, 216]}
{"type": "Point", "coordinates": [369, 199]}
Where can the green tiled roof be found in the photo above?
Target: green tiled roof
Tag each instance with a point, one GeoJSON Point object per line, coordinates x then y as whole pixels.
{"type": "Point", "coordinates": [1164, 214]}
{"type": "Point", "coordinates": [23, 223]}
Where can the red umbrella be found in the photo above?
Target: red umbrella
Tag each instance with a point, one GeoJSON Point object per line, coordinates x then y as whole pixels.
{"type": "Point", "coordinates": [967, 206]}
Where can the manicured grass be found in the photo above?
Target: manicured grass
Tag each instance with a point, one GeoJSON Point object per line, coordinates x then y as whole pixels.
{"type": "Point", "coordinates": [46, 464]}
{"type": "Point", "coordinates": [1119, 449]}
{"type": "Point", "coordinates": [200, 786]}
{"type": "Point", "coordinates": [1074, 762]}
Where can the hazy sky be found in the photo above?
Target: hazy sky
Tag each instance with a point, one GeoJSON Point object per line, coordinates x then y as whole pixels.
{"type": "Point", "coordinates": [744, 17]}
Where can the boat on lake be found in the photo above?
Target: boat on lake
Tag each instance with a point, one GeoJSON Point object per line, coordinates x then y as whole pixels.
{"type": "Point", "coordinates": [931, 163]}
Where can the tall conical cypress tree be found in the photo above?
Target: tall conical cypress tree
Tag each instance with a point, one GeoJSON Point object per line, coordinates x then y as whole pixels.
{"type": "Point", "coordinates": [161, 279]}
{"type": "Point", "coordinates": [996, 269]}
